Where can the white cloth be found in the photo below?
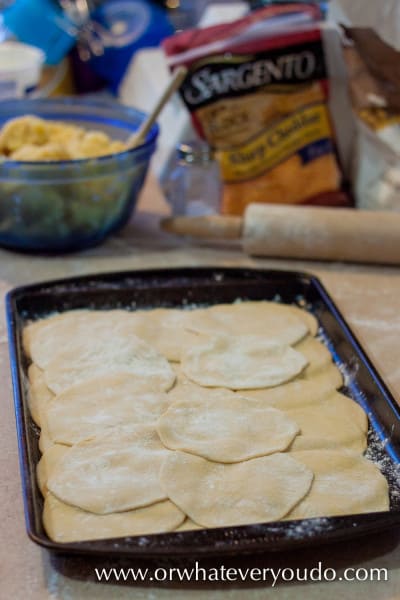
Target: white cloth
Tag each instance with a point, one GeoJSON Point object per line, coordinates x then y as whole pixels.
{"type": "Point", "coordinates": [381, 15]}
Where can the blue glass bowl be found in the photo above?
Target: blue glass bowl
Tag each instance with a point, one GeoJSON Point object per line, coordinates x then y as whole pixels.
{"type": "Point", "coordinates": [69, 205]}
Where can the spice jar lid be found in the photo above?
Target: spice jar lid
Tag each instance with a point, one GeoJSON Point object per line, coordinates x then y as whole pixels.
{"type": "Point", "coordinates": [196, 151]}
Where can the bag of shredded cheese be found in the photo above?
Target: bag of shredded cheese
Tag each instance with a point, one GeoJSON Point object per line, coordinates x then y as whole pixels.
{"type": "Point", "coordinates": [257, 90]}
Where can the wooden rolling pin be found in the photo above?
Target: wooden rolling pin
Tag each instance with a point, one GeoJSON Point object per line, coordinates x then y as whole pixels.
{"type": "Point", "coordinates": [319, 233]}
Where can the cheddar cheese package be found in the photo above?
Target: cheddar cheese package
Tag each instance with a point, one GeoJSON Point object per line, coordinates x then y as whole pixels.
{"type": "Point", "coordinates": [257, 90]}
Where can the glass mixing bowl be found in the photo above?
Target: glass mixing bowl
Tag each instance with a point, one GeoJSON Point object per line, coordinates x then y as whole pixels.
{"type": "Point", "coordinates": [72, 204]}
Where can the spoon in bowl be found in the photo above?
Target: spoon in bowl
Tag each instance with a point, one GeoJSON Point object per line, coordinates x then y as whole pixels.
{"type": "Point", "coordinates": [139, 136]}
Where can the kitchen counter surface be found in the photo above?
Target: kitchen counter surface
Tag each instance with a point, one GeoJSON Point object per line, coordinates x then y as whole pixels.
{"type": "Point", "coordinates": [370, 300]}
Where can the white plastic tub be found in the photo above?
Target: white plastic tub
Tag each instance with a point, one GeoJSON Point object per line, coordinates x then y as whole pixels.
{"type": "Point", "coordinates": [20, 69]}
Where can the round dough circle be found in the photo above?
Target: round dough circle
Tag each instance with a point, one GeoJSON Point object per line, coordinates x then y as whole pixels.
{"type": "Point", "coordinates": [39, 394]}
{"type": "Point", "coordinates": [226, 428]}
{"type": "Point", "coordinates": [45, 441]}
{"type": "Point", "coordinates": [93, 357]}
{"type": "Point", "coordinates": [184, 388]}
{"type": "Point", "coordinates": [307, 318]}
{"type": "Point", "coordinates": [317, 355]}
{"type": "Point", "coordinates": [278, 323]}
{"type": "Point", "coordinates": [65, 523]}
{"type": "Point", "coordinates": [294, 394]}
{"type": "Point", "coordinates": [337, 422]}
{"type": "Point", "coordinates": [88, 409]}
{"type": "Point", "coordinates": [218, 495]}
{"type": "Point", "coordinates": [111, 473]}
{"type": "Point", "coordinates": [165, 330]}
{"type": "Point", "coordinates": [241, 363]}
{"type": "Point", "coordinates": [344, 483]}
{"type": "Point", "coordinates": [47, 465]}
{"type": "Point", "coordinates": [45, 338]}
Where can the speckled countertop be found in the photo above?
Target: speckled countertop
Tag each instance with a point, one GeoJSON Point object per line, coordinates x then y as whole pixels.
{"type": "Point", "coordinates": [370, 300]}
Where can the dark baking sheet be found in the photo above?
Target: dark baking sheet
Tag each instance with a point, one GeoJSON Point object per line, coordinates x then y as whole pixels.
{"type": "Point", "coordinates": [184, 287]}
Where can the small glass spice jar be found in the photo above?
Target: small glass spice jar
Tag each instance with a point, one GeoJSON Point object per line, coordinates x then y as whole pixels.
{"type": "Point", "coordinates": [193, 187]}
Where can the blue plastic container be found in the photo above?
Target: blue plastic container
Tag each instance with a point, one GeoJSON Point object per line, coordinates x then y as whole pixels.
{"type": "Point", "coordinates": [69, 205]}
{"type": "Point", "coordinates": [43, 24]}
{"type": "Point", "coordinates": [128, 25]}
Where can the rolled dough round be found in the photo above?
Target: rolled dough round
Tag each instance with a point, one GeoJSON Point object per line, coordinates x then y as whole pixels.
{"type": "Point", "coordinates": [317, 355]}
{"type": "Point", "coordinates": [306, 317]}
{"type": "Point", "coordinates": [43, 339]}
{"type": "Point", "coordinates": [90, 408]}
{"type": "Point", "coordinates": [38, 394]}
{"type": "Point", "coordinates": [243, 362]}
{"type": "Point", "coordinates": [65, 523]}
{"type": "Point", "coordinates": [295, 394]}
{"type": "Point", "coordinates": [219, 495]}
{"type": "Point", "coordinates": [226, 428]}
{"type": "Point", "coordinates": [94, 357]}
{"type": "Point", "coordinates": [278, 323]}
{"type": "Point", "coordinates": [165, 330]}
{"type": "Point", "coordinates": [184, 388]}
{"type": "Point", "coordinates": [47, 465]}
{"type": "Point", "coordinates": [344, 483]}
{"type": "Point", "coordinates": [45, 441]}
{"type": "Point", "coordinates": [338, 422]}
{"type": "Point", "coordinates": [111, 473]}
